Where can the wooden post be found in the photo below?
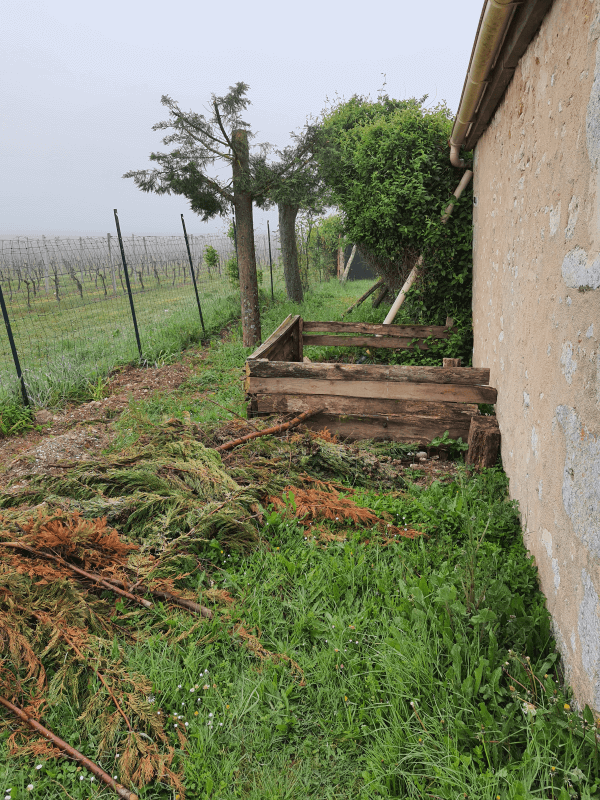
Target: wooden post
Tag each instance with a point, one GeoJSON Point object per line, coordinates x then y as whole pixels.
{"type": "Point", "coordinates": [484, 442]}
{"type": "Point", "coordinates": [451, 362]}
{"type": "Point", "coordinates": [379, 298]}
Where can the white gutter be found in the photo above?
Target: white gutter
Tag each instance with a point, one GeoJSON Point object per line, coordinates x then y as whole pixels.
{"type": "Point", "coordinates": [490, 35]}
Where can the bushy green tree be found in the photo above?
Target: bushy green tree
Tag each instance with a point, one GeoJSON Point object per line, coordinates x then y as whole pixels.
{"type": "Point", "coordinates": [386, 164]}
{"type": "Point", "coordinates": [211, 258]}
{"type": "Point", "coordinates": [293, 183]}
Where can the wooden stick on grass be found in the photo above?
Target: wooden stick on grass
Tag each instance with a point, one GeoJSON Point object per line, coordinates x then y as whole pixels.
{"type": "Point", "coordinates": [70, 751]}
{"type": "Point", "coordinates": [276, 429]}
{"type": "Point", "coordinates": [362, 299]}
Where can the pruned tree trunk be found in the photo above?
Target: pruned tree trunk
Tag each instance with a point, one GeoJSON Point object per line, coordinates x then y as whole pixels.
{"type": "Point", "coordinates": [484, 442]}
{"type": "Point", "coordinates": [289, 251]}
{"type": "Point", "coordinates": [251, 334]}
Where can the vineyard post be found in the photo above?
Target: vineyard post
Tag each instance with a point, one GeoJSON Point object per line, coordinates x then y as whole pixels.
{"type": "Point", "coordinates": [270, 260]}
{"type": "Point", "coordinates": [46, 261]}
{"type": "Point", "coordinates": [187, 244]}
{"type": "Point", "coordinates": [13, 348]}
{"type": "Point", "coordinates": [112, 266]}
{"type": "Point", "coordinates": [135, 325]}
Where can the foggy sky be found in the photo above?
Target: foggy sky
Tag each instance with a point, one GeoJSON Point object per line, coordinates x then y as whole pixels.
{"type": "Point", "coordinates": [81, 87]}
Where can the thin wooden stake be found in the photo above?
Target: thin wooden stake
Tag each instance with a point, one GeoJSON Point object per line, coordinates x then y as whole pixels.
{"type": "Point", "coordinates": [70, 751]}
{"type": "Point", "coordinates": [276, 429]}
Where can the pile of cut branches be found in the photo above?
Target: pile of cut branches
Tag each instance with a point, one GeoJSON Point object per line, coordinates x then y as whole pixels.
{"type": "Point", "coordinates": [135, 525]}
{"type": "Point", "coordinates": [59, 637]}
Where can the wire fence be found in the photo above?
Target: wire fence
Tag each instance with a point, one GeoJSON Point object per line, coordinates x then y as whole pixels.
{"type": "Point", "coordinates": [71, 313]}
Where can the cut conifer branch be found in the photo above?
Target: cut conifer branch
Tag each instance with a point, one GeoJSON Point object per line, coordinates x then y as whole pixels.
{"type": "Point", "coordinates": [275, 429]}
{"type": "Point", "coordinates": [81, 572]}
{"type": "Point", "coordinates": [68, 750]}
{"type": "Point", "coordinates": [116, 586]}
{"type": "Point", "coordinates": [45, 619]}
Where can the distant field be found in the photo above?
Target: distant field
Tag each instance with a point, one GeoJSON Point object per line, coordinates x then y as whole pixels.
{"type": "Point", "coordinates": [71, 318]}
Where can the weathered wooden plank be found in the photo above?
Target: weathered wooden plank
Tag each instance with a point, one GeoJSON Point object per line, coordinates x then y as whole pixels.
{"type": "Point", "coordinates": [364, 341]}
{"type": "Point", "coordinates": [459, 413]}
{"type": "Point", "coordinates": [396, 430]}
{"type": "Point", "coordinates": [456, 393]}
{"type": "Point", "coordinates": [369, 372]}
{"type": "Point", "coordinates": [281, 333]}
{"type": "Point", "coordinates": [419, 331]}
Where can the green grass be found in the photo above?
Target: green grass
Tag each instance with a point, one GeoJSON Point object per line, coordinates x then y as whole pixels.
{"type": "Point", "coordinates": [407, 672]}
{"type": "Point", "coordinates": [65, 348]}
{"type": "Point", "coordinates": [221, 368]}
{"type": "Point", "coordinates": [429, 668]}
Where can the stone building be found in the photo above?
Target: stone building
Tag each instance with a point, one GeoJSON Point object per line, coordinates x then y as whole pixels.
{"type": "Point", "coordinates": [531, 111]}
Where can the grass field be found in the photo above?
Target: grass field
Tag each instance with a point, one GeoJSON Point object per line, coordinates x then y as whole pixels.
{"type": "Point", "coordinates": [66, 349]}
{"type": "Point", "coordinates": [427, 666]}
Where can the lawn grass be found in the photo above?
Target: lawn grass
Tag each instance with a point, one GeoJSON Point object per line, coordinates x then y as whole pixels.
{"type": "Point", "coordinates": [428, 669]}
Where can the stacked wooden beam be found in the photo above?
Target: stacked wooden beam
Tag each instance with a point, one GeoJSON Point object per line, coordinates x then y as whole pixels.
{"type": "Point", "coordinates": [400, 403]}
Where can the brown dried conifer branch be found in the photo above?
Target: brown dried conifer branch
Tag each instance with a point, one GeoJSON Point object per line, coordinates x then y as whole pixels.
{"type": "Point", "coordinates": [114, 585]}
{"type": "Point", "coordinates": [78, 571]}
{"type": "Point", "coordinates": [70, 751]}
{"type": "Point", "coordinates": [276, 429]}
{"type": "Point", "coordinates": [47, 620]}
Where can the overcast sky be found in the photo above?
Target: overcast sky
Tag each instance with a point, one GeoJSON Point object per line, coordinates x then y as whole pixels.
{"type": "Point", "coordinates": [81, 86]}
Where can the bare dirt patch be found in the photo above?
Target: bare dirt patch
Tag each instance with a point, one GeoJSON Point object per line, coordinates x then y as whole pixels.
{"type": "Point", "coordinates": [78, 432]}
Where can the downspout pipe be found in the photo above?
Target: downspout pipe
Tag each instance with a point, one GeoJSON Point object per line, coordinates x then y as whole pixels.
{"type": "Point", "coordinates": [492, 29]}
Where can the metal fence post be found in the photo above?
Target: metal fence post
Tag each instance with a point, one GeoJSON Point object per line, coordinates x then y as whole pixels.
{"type": "Point", "coordinates": [270, 260]}
{"type": "Point", "coordinates": [13, 348]}
{"type": "Point", "coordinates": [135, 325]}
{"type": "Point", "coordinates": [187, 244]}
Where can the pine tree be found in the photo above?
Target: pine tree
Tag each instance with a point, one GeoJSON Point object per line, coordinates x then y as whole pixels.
{"type": "Point", "coordinates": [200, 143]}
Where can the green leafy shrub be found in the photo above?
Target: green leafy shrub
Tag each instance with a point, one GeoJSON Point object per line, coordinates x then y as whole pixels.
{"type": "Point", "coordinates": [386, 163]}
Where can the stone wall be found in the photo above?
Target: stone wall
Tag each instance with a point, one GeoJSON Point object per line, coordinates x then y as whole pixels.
{"type": "Point", "coordinates": [536, 313]}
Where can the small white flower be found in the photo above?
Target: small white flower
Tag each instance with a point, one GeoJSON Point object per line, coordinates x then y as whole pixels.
{"type": "Point", "coordinates": [221, 724]}
{"type": "Point", "coordinates": [81, 777]}
{"type": "Point", "coordinates": [192, 689]}
{"type": "Point", "coordinates": [30, 787]}
{"type": "Point", "coordinates": [211, 714]}
{"type": "Point", "coordinates": [179, 686]}
{"type": "Point", "coordinates": [175, 725]}
{"type": "Point", "coordinates": [114, 777]}
{"type": "Point", "coordinates": [186, 724]}
{"type": "Point", "coordinates": [183, 704]}
{"type": "Point", "coordinates": [38, 766]}
{"type": "Point", "coordinates": [92, 778]}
